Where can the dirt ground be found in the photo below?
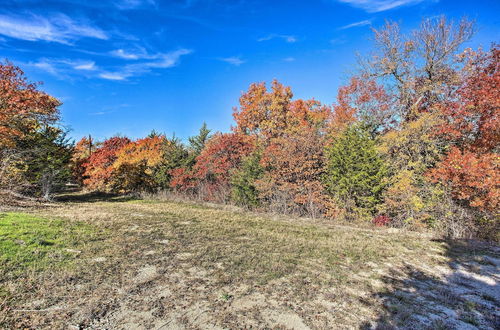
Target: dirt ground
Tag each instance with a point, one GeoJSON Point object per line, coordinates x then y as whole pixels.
{"type": "Point", "coordinates": [174, 265]}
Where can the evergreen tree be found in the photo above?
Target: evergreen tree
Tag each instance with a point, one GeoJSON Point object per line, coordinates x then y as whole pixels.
{"type": "Point", "coordinates": [197, 143]}
{"type": "Point", "coordinates": [243, 180]}
{"type": "Point", "coordinates": [175, 155]}
{"type": "Point", "coordinates": [46, 162]}
{"type": "Point", "coordinates": [355, 170]}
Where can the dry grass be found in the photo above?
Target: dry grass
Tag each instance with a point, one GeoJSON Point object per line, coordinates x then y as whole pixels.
{"type": "Point", "coordinates": [182, 265]}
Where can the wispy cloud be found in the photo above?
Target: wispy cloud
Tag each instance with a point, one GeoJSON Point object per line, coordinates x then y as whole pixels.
{"type": "Point", "coordinates": [289, 59]}
{"type": "Point", "coordinates": [133, 4]}
{"type": "Point", "coordinates": [287, 38]}
{"type": "Point", "coordinates": [234, 60]}
{"type": "Point", "coordinates": [356, 24]}
{"type": "Point", "coordinates": [110, 109]}
{"type": "Point", "coordinates": [66, 68]}
{"type": "Point", "coordinates": [374, 6]}
{"type": "Point", "coordinates": [161, 61]}
{"type": "Point", "coordinates": [58, 28]}
{"type": "Point", "coordinates": [62, 68]}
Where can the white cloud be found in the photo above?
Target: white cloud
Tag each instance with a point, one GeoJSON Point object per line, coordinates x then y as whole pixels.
{"type": "Point", "coordinates": [356, 24]}
{"type": "Point", "coordinates": [85, 65]}
{"type": "Point", "coordinates": [161, 61]}
{"type": "Point", "coordinates": [232, 60]}
{"type": "Point", "coordinates": [125, 55]}
{"type": "Point", "coordinates": [289, 59]}
{"type": "Point", "coordinates": [374, 6]}
{"type": "Point", "coordinates": [115, 75]}
{"type": "Point", "coordinates": [67, 68]}
{"type": "Point", "coordinates": [287, 38]}
{"type": "Point", "coordinates": [132, 4]}
{"type": "Point", "coordinates": [58, 28]}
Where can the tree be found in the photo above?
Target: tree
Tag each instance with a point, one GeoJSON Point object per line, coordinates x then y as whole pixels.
{"type": "Point", "coordinates": [410, 151]}
{"type": "Point", "coordinates": [472, 125]}
{"type": "Point", "coordinates": [137, 163]}
{"type": "Point", "coordinates": [420, 69]}
{"type": "Point", "coordinates": [212, 171]}
{"type": "Point", "coordinates": [198, 142]}
{"type": "Point", "coordinates": [363, 100]}
{"type": "Point", "coordinates": [47, 166]}
{"type": "Point", "coordinates": [174, 155]}
{"type": "Point", "coordinates": [23, 107]}
{"type": "Point", "coordinates": [33, 150]}
{"type": "Point", "coordinates": [355, 171]}
{"type": "Point", "coordinates": [261, 112]}
{"type": "Point", "coordinates": [99, 169]}
{"type": "Point", "coordinates": [243, 181]}
{"type": "Point", "coordinates": [81, 154]}
{"type": "Point", "coordinates": [294, 165]}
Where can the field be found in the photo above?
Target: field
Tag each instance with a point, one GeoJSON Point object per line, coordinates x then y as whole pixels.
{"type": "Point", "coordinates": [100, 262]}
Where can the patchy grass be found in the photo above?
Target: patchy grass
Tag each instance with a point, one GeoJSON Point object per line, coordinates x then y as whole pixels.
{"type": "Point", "coordinates": [182, 265]}
{"type": "Point", "coordinates": [34, 243]}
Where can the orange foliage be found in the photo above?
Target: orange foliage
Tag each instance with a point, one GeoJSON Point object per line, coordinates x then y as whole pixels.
{"type": "Point", "coordinates": [361, 99]}
{"type": "Point", "coordinates": [136, 162]}
{"type": "Point", "coordinates": [294, 168]}
{"type": "Point", "coordinates": [211, 173]}
{"type": "Point", "coordinates": [99, 169]}
{"type": "Point", "coordinates": [473, 177]}
{"type": "Point", "coordinates": [262, 112]}
{"type": "Point", "coordinates": [472, 124]}
{"type": "Point", "coordinates": [23, 106]}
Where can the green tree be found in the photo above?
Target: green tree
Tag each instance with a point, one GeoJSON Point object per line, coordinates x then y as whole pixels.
{"type": "Point", "coordinates": [243, 189]}
{"type": "Point", "coordinates": [197, 142]}
{"type": "Point", "coordinates": [355, 171]}
{"type": "Point", "coordinates": [46, 165]}
{"type": "Point", "coordinates": [175, 155]}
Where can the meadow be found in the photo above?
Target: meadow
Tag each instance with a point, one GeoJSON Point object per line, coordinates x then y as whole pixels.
{"type": "Point", "coordinates": [101, 261]}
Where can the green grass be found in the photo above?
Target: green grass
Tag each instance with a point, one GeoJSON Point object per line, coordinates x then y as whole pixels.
{"type": "Point", "coordinates": [33, 243]}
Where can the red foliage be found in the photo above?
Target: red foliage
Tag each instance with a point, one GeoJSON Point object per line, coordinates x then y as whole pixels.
{"type": "Point", "coordinates": [472, 177]}
{"type": "Point", "coordinates": [472, 124]}
{"type": "Point", "coordinates": [294, 166]}
{"type": "Point", "coordinates": [474, 120]}
{"type": "Point", "coordinates": [211, 173]}
{"type": "Point", "coordinates": [99, 169]}
{"type": "Point", "coordinates": [81, 154]}
{"type": "Point", "coordinates": [381, 220]}
{"type": "Point", "coordinates": [23, 106]}
{"type": "Point", "coordinates": [361, 99]}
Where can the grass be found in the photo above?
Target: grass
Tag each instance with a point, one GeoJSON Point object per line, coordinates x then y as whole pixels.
{"type": "Point", "coordinates": [190, 265]}
{"type": "Point", "coordinates": [34, 243]}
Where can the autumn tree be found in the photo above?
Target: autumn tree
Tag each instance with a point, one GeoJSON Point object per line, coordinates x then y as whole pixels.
{"type": "Point", "coordinates": [263, 112]}
{"type": "Point", "coordinates": [410, 151]}
{"type": "Point", "coordinates": [99, 168]}
{"type": "Point", "coordinates": [33, 149]}
{"type": "Point", "coordinates": [81, 154]}
{"type": "Point", "coordinates": [136, 164]}
{"type": "Point", "coordinates": [363, 100]}
{"type": "Point", "coordinates": [23, 107]}
{"type": "Point", "coordinates": [419, 68]}
{"type": "Point", "coordinates": [294, 165]}
{"type": "Point", "coordinates": [472, 126]}
{"type": "Point", "coordinates": [222, 155]}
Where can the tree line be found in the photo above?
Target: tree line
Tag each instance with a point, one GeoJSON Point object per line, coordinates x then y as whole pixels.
{"type": "Point", "coordinates": [411, 141]}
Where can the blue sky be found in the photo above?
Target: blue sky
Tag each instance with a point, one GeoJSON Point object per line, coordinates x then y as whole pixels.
{"type": "Point", "coordinates": [130, 66]}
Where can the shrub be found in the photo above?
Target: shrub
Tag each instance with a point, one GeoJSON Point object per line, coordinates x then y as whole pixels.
{"type": "Point", "coordinates": [381, 220]}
